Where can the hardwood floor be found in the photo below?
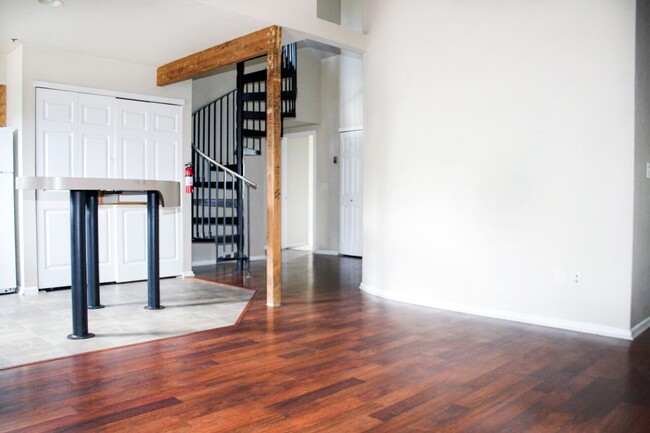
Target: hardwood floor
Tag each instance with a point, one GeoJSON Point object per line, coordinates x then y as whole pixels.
{"type": "Point", "coordinates": [335, 359]}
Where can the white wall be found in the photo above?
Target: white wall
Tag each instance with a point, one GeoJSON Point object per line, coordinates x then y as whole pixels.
{"type": "Point", "coordinates": [298, 191]}
{"type": "Point", "coordinates": [351, 91]}
{"type": "Point", "coordinates": [499, 158]}
{"type": "Point", "coordinates": [298, 24]}
{"type": "Point", "coordinates": [308, 107]}
{"type": "Point", "coordinates": [327, 147]}
{"type": "Point", "coordinates": [352, 14]}
{"type": "Point", "coordinates": [211, 87]}
{"type": "Point", "coordinates": [27, 64]}
{"type": "Point", "coordinates": [641, 274]}
{"type": "Point", "coordinates": [3, 69]}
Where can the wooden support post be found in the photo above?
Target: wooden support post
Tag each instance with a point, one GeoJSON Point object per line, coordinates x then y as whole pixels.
{"type": "Point", "coordinates": [3, 105]}
{"type": "Point", "coordinates": [273, 169]}
{"type": "Point", "coordinates": [267, 41]}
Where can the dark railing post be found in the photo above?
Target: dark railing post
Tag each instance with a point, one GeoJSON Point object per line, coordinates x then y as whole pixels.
{"type": "Point", "coordinates": [92, 247]}
{"type": "Point", "coordinates": [153, 251]}
{"type": "Point", "coordinates": [240, 166]}
{"type": "Point", "coordinates": [78, 266]}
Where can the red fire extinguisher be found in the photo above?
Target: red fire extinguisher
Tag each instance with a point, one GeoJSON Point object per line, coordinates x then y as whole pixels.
{"type": "Point", "coordinates": [189, 178]}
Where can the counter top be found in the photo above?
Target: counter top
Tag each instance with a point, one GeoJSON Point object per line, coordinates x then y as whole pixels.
{"type": "Point", "coordinates": [169, 190]}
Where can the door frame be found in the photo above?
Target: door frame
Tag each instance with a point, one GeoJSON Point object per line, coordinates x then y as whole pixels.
{"type": "Point", "coordinates": [312, 134]}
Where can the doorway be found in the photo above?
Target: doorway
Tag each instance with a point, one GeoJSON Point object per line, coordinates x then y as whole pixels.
{"type": "Point", "coordinates": [298, 197]}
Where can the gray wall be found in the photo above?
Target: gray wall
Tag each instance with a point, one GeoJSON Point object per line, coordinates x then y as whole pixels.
{"type": "Point", "coordinates": [329, 10]}
{"type": "Point", "coordinates": [3, 69]}
{"type": "Point", "coordinates": [641, 261]}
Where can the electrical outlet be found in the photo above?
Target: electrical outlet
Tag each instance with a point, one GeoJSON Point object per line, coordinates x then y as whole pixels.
{"type": "Point", "coordinates": [576, 278]}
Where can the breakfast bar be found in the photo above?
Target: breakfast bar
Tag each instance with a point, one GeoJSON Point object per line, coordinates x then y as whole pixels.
{"type": "Point", "coordinates": [84, 266]}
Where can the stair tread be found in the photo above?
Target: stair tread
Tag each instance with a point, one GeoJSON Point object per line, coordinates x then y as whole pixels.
{"type": "Point", "coordinates": [254, 77]}
{"type": "Point", "coordinates": [251, 151]}
{"type": "Point", "coordinates": [254, 133]}
{"type": "Point", "coordinates": [257, 76]}
{"type": "Point", "coordinates": [258, 115]}
{"type": "Point", "coordinates": [227, 239]}
{"type": "Point", "coordinates": [216, 202]}
{"type": "Point", "coordinates": [216, 184]}
{"type": "Point", "coordinates": [220, 221]}
{"type": "Point", "coordinates": [232, 167]}
{"type": "Point", "coordinates": [261, 96]}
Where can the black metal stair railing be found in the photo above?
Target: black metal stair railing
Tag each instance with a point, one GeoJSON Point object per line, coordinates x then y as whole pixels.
{"type": "Point", "coordinates": [223, 131]}
{"type": "Point", "coordinates": [224, 216]}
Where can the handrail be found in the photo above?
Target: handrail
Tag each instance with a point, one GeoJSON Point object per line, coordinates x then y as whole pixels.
{"type": "Point", "coordinates": [212, 102]}
{"type": "Point", "coordinates": [224, 168]}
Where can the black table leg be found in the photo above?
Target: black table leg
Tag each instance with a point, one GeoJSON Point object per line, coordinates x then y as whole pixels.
{"type": "Point", "coordinates": [92, 250]}
{"type": "Point", "coordinates": [153, 251]}
{"type": "Point", "coordinates": [78, 266]}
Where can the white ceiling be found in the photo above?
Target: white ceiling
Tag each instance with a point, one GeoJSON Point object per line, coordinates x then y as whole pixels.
{"type": "Point", "coordinates": [149, 32]}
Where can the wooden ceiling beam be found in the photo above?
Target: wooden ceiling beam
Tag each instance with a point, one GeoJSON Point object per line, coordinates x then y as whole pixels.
{"type": "Point", "coordinates": [244, 48]}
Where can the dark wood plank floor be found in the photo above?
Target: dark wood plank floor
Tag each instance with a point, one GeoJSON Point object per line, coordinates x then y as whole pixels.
{"type": "Point", "coordinates": [335, 359]}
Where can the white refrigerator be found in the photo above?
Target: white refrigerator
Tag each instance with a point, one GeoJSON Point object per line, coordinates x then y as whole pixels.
{"type": "Point", "coordinates": [7, 214]}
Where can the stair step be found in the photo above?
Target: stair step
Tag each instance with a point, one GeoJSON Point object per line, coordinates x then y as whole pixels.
{"type": "Point", "coordinates": [252, 133]}
{"type": "Point", "coordinates": [220, 221]}
{"type": "Point", "coordinates": [227, 239]}
{"type": "Point", "coordinates": [261, 96]}
{"type": "Point", "coordinates": [251, 152]}
{"type": "Point", "coordinates": [217, 202]}
{"type": "Point", "coordinates": [254, 77]}
{"type": "Point", "coordinates": [220, 184]}
{"type": "Point", "coordinates": [254, 96]}
{"type": "Point", "coordinates": [258, 115]}
{"type": "Point", "coordinates": [232, 167]}
{"type": "Point", "coordinates": [257, 76]}
{"type": "Point", "coordinates": [235, 255]}
{"type": "Point", "coordinates": [202, 240]}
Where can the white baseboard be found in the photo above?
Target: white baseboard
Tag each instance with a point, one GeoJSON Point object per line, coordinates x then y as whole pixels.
{"type": "Point", "coordinates": [212, 262]}
{"type": "Point", "coordinates": [187, 274]}
{"type": "Point", "coordinates": [641, 327]}
{"type": "Point", "coordinates": [203, 262]}
{"type": "Point", "coordinates": [550, 322]}
{"type": "Point", "coordinates": [28, 291]}
{"type": "Point", "coordinates": [327, 252]}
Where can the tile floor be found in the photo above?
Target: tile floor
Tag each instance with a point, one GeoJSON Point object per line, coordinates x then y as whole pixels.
{"type": "Point", "coordinates": [34, 328]}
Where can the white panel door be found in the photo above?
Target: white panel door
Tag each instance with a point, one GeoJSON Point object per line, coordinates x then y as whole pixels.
{"type": "Point", "coordinates": [96, 135]}
{"type": "Point", "coordinates": [56, 115]}
{"type": "Point", "coordinates": [149, 147]}
{"type": "Point", "coordinates": [133, 161]}
{"type": "Point", "coordinates": [133, 147]}
{"type": "Point", "coordinates": [166, 136]}
{"type": "Point", "coordinates": [74, 137]}
{"type": "Point", "coordinates": [351, 211]}
{"type": "Point", "coordinates": [131, 243]}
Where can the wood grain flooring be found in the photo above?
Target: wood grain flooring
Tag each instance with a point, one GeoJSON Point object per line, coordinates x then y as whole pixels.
{"type": "Point", "coordinates": [335, 359]}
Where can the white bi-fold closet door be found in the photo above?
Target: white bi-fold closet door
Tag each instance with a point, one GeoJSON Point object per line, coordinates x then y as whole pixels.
{"type": "Point", "coordinates": [84, 135]}
{"type": "Point", "coordinates": [148, 146]}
